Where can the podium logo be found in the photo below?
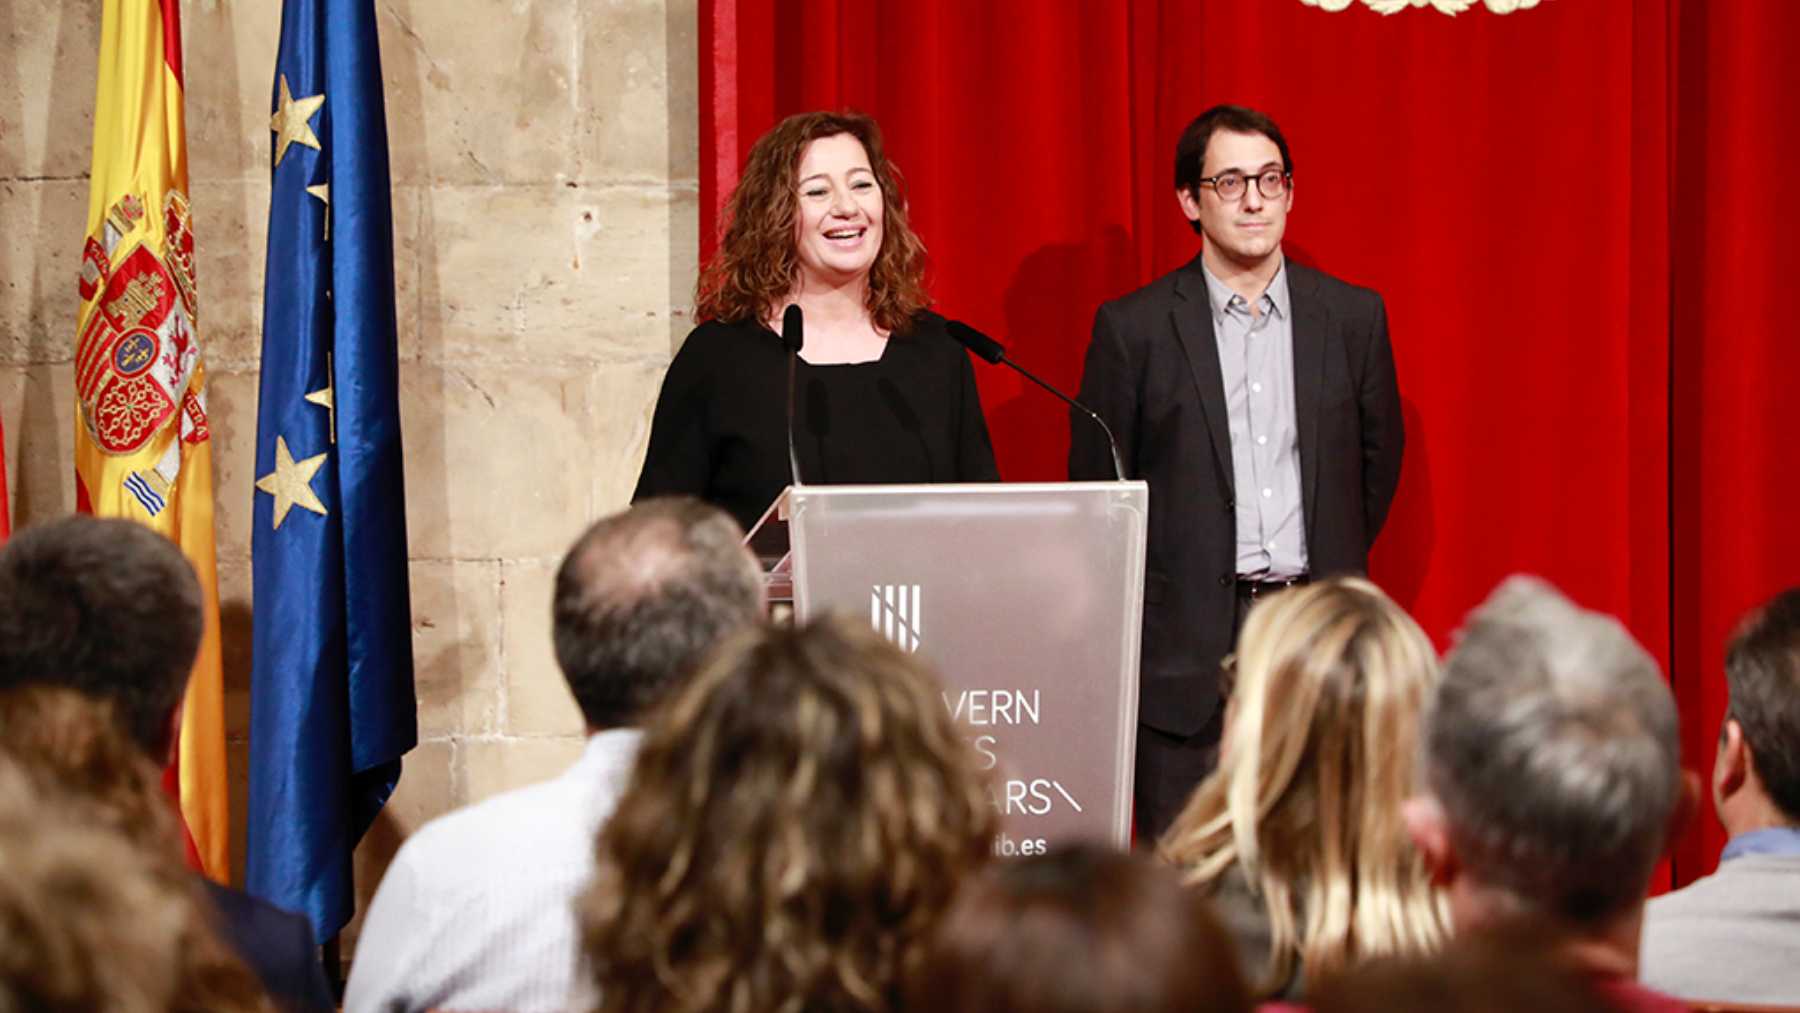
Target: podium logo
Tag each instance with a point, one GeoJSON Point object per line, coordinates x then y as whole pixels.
{"type": "Point", "coordinates": [895, 610]}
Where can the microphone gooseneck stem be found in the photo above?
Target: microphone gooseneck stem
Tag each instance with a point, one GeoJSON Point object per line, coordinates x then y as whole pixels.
{"type": "Point", "coordinates": [793, 456]}
{"type": "Point", "coordinates": [1111, 443]}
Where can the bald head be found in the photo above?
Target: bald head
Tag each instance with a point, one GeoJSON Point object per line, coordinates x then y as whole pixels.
{"type": "Point", "coordinates": [642, 596]}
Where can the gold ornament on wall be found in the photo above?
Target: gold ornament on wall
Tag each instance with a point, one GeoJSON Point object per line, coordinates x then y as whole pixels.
{"type": "Point", "coordinates": [1450, 7]}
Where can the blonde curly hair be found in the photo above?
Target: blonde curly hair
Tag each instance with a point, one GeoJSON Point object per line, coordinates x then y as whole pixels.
{"type": "Point", "coordinates": [798, 820]}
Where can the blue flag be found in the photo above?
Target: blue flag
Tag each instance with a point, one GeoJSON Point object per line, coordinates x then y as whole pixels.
{"type": "Point", "coordinates": [331, 698]}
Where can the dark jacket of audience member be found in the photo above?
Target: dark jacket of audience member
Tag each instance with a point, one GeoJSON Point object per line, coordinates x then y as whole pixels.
{"type": "Point", "coordinates": [277, 944]}
{"type": "Point", "coordinates": [112, 610]}
{"type": "Point", "coordinates": [1081, 930]}
{"type": "Point", "coordinates": [801, 813]}
{"type": "Point", "coordinates": [1735, 935]}
{"type": "Point", "coordinates": [1297, 837]}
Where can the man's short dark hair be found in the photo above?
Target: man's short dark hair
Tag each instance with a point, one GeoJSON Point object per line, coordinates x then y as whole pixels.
{"type": "Point", "coordinates": [642, 596]}
{"type": "Point", "coordinates": [1190, 151]}
{"type": "Point", "coordinates": [105, 607]}
{"type": "Point", "coordinates": [1762, 673]}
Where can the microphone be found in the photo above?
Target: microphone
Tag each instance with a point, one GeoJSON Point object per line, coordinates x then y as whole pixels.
{"type": "Point", "coordinates": [793, 337]}
{"type": "Point", "coordinates": [993, 351]}
{"type": "Point", "coordinates": [817, 423]}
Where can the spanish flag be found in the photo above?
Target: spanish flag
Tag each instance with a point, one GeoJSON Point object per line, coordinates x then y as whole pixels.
{"type": "Point", "coordinates": [142, 447]}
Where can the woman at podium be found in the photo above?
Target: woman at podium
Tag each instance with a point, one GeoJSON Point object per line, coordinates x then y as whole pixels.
{"type": "Point", "coordinates": [881, 393]}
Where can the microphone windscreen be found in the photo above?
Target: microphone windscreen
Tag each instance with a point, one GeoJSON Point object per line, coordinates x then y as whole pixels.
{"type": "Point", "coordinates": [793, 328]}
{"type": "Point", "coordinates": [975, 341]}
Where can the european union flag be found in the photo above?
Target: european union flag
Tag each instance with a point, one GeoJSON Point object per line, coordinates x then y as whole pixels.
{"type": "Point", "coordinates": [331, 705]}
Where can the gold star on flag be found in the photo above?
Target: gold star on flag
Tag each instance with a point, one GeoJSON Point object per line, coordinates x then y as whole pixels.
{"type": "Point", "coordinates": [324, 399]}
{"type": "Point", "coordinates": [290, 121]}
{"type": "Point", "coordinates": [291, 483]}
{"type": "Point", "coordinates": [323, 192]}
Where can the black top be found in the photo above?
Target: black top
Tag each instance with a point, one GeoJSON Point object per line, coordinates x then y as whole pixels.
{"type": "Point", "coordinates": [720, 429]}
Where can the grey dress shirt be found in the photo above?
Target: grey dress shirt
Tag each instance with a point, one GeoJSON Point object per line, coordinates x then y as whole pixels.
{"type": "Point", "coordinates": [1256, 361]}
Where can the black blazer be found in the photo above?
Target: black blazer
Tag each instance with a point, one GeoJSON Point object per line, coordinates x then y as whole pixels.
{"type": "Point", "coordinates": [1153, 374]}
{"type": "Point", "coordinates": [276, 944]}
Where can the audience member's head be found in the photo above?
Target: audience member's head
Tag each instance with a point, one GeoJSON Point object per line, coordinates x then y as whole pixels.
{"type": "Point", "coordinates": [642, 596]}
{"type": "Point", "coordinates": [72, 746]}
{"type": "Point", "coordinates": [1756, 775]}
{"type": "Point", "coordinates": [801, 813]}
{"type": "Point", "coordinates": [1516, 969]}
{"type": "Point", "coordinates": [105, 607]}
{"type": "Point", "coordinates": [1081, 930]}
{"type": "Point", "coordinates": [1316, 760]}
{"type": "Point", "coordinates": [1551, 766]}
{"type": "Point", "coordinates": [91, 919]}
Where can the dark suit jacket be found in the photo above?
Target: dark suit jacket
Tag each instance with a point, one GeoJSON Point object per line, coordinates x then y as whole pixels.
{"type": "Point", "coordinates": [1153, 374]}
{"type": "Point", "coordinates": [276, 945]}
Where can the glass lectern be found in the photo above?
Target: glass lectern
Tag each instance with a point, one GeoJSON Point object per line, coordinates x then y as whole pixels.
{"type": "Point", "coordinates": [1028, 598]}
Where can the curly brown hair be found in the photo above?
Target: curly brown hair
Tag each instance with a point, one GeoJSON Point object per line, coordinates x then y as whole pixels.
{"type": "Point", "coordinates": [98, 911]}
{"type": "Point", "coordinates": [70, 744]}
{"type": "Point", "coordinates": [757, 266]}
{"type": "Point", "coordinates": [799, 819]}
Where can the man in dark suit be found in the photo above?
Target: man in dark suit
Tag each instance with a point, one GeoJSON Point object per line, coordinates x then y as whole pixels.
{"type": "Point", "coordinates": [1257, 398]}
{"type": "Point", "coordinates": [113, 610]}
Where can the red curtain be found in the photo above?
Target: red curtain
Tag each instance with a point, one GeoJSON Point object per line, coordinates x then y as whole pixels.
{"type": "Point", "coordinates": [1735, 442]}
{"type": "Point", "coordinates": [1575, 377]}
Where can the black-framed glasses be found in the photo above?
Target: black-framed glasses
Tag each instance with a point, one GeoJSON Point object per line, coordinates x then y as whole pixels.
{"type": "Point", "coordinates": [1227, 675]}
{"type": "Point", "coordinates": [1271, 183]}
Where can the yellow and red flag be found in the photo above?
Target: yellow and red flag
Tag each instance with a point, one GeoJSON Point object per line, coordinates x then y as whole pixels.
{"type": "Point", "coordinates": [142, 447]}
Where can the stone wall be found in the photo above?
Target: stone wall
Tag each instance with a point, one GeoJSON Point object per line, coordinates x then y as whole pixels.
{"type": "Point", "coordinates": [545, 219]}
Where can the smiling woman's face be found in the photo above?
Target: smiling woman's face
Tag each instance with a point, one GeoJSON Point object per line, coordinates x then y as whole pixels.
{"type": "Point", "coordinates": [837, 227]}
